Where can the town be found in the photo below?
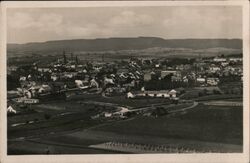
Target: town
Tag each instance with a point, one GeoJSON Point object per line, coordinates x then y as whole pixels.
{"type": "Point", "coordinates": [110, 91]}
{"type": "Point", "coordinates": [133, 78]}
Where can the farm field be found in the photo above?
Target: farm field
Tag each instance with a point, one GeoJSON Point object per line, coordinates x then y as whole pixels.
{"type": "Point", "coordinates": [203, 123]}
{"type": "Point", "coordinates": [219, 130]}
{"type": "Point", "coordinates": [121, 100]}
{"type": "Point", "coordinates": [50, 118]}
{"type": "Point", "coordinates": [29, 147]}
{"type": "Point", "coordinates": [203, 128]}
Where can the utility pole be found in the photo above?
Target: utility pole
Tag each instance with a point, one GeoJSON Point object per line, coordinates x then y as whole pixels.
{"type": "Point", "coordinates": [71, 57]}
{"type": "Point", "coordinates": [64, 57]}
{"type": "Point", "coordinates": [102, 57]}
{"type": "Point", "coordinates": [76, 59]}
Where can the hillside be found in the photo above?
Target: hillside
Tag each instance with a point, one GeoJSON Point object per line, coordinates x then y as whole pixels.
{"type": "Point", "coordinates": [139, 43]}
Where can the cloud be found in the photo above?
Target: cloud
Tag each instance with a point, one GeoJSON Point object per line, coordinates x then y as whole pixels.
{"type": "Point", "coordinates": [201, 23]}
{"type": "Point", "coordinates": [54, 24]}
{"type": "Point", "coordinates": [130, 19]}
{"type": "Point", "coordinates": [117, 25]}
{"type": "Point", "coordinates": [50, 22]}
{"type": "Point", "coordinates": [45, 22]}
{"type": "Point", "coordinates": [28, 25]}
{"type": "Point", "coordinates": [21, 21]}
{"type": "Point", "coordinates": [80, 30]}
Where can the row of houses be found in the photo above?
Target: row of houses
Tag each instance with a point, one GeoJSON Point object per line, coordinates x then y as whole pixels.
{"type": "Point", "coordinates": [233, 59]}
{"type": "Point", "coordinates": [208, 81]}
{"type": "Point", "coordinates": [159, 94]}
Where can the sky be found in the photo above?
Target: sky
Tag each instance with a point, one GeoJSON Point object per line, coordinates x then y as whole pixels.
{"type": "Point", "coordinates": [168, 22]}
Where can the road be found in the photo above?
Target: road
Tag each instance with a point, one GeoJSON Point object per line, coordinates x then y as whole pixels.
{"type": "Point", "coordinates": [168, 106]}
{"type": "Point", "coordinates": [184, 109]}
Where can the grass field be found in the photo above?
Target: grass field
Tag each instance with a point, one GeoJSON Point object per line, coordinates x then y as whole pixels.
{"type": "Point", "coordinates": [121, 100]}
{"type": "Point", "coordinates": [204, 123]}
{"type": "Point", "coordinates": [69, 129]}
{"type": "Point", "coordinates": [218, 97]}
{"type": "Point", "coordinates": [46, 119]}
{"type": "Point", "coordinates": [29, 147]}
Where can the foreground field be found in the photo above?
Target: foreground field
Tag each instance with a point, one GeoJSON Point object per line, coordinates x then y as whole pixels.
{"type": "Point", "coordinates": [204, 128]}
{"type": "Point", "coordinates": [204, 123]}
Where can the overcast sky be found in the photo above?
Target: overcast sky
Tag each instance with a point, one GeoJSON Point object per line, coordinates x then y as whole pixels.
{"type": "Point", "coordinates": [37, 24]}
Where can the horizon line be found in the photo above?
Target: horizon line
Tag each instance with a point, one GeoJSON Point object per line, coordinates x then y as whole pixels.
{"type": "Point", "coordinates": [124, 38]}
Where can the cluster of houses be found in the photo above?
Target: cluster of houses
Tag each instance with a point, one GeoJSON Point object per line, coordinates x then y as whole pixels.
{"type": "Point", "coordinates": [204, 72]}
{"type": "Point", "coordinates": [120, 113]}
{"type": "Point", "coordinates": [124, 77]}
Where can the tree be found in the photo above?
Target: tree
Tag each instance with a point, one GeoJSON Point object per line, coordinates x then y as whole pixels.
{"type": "Point", "coordinates": [205, 91]}
{"type": "Point", "coordinates": [215, 91]}
{"type": "Point", "coordinates": [200, 94]}
{"type": "Point", "coordinates": [12, 82]}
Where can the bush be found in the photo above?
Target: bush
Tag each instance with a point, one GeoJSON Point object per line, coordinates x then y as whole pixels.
{"type": "Point", "coordinates": [47, 116]}
{"type": "Point", "coordinates": [200, 94]}
{"type": "Point", "coordinates": [215, 91]}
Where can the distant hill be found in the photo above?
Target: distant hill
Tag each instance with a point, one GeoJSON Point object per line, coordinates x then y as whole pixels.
{"type": "Point", "coordinates": [113, 44]}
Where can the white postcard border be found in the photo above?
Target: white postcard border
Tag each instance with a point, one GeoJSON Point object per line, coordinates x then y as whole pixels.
{"type": "Point", "coordinates": [208, 157]}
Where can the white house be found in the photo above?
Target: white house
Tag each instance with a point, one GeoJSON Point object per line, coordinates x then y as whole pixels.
{"type": "Point", "coordinates": [212, 81]}
{"type": "Point", "coordinates": [27, 94]}
{"type": "Point", "coordinates": [224, 63]}
{"type": "Point", "coordinates": [157, 65]}
{"type": "Point", "coordinates": [161, 93]}
{"type": "Point", "coordinates": [94, 83]}
{"type": "Point", "coordinates": [235, 59]}
{"type": "Point", "coordinates": [214, 69]}
{"type": "Point", "coordinates": [201, 80]}
{"type": "Point", "coordinates": [165, 95]}
{"type": "Point", "coordinates": [185, 79]}
{"type": "Point", "coordinates": [81, 84]}
{"type": "Point", "coordinates": [22, 78]}
{"type": "Point", "coordinates": [31, 101]}
{"type": "Point", "coordinates": [44, 88]}
{"type": "Point", "coordinates": [108, 81]}
{"type": "Point", "coordinates": [27, 100]}
{"type": "Point", "coordinates": [11, 110]}
{"type": "Point", "coordinates": [78, 83]}
{"type": "Point", "coordinates": [107, 115]}
{"type": "Point", "coordinates": [54, 77]}
{"type": "Point", "coordinates": [130, 95]}
{"type": "Point", "coordinates": [220, 59]}
{"type": "Point", "coordinates": [43, 69]}
{"type": "Point", "coordinates": [68, 75]}
{"type": "Point", "coordinates": [172, 93]}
